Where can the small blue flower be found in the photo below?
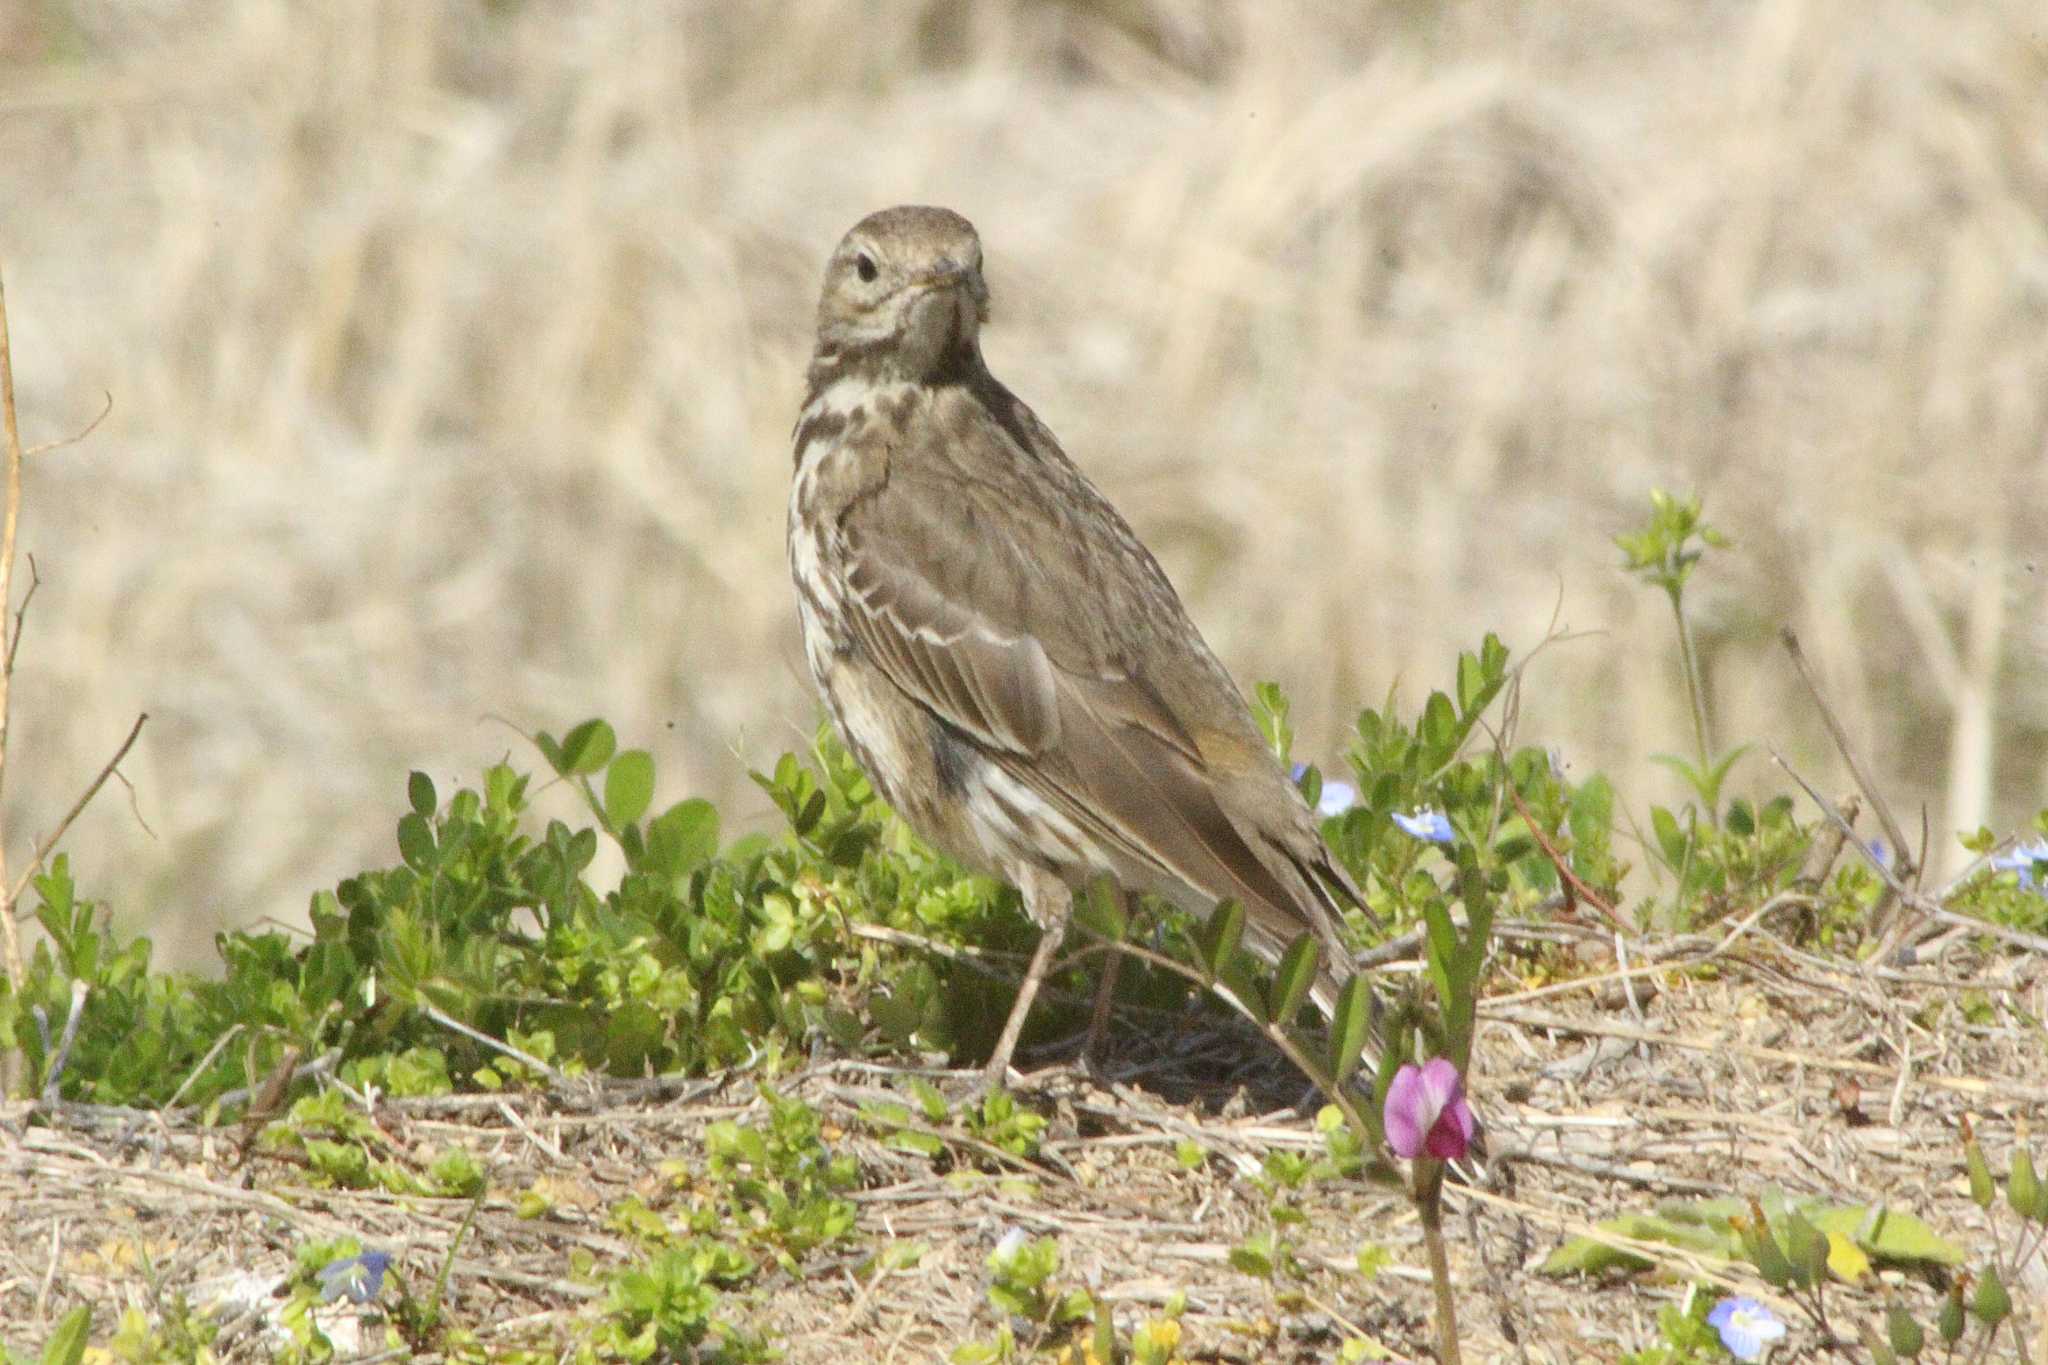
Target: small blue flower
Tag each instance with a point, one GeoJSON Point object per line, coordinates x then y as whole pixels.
{"type": "Point", "coordinates": [1337, 797]}
{"type": "Point", "coordinates": [1747, 1328]}
{"type": "Point", "coordinates": [1880, 852]}
{"type": "Point", "coordinates": [358, 1279]}
{"type": "Point", "coordinates": [2021, 859]}
{"type": "Point", "coordinates": [1430, 826]}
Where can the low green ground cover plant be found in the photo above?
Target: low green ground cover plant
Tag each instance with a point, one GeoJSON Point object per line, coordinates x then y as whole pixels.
{"type": "Point", "coordinates": [488, 957]}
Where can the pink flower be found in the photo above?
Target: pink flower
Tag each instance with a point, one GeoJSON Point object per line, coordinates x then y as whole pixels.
{"type": "Point", "coordinates": [1427, 1113]}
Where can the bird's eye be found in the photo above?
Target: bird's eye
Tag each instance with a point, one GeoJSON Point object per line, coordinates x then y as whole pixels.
{"type": "Point", "coordinates": [864, 266]}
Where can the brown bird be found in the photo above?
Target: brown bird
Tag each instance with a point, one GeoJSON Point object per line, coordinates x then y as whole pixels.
{"type": "Point", "coordinates": [1006, 660]}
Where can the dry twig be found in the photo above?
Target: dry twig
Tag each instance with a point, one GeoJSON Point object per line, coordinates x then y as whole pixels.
{"type": "Point", "coordinates": [10, 431]}
{"type": "Point", "coordinates": [1906, 868]}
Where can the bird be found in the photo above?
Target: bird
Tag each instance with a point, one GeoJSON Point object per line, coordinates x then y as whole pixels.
{"type": "Point", "coordinates": [999, 650]}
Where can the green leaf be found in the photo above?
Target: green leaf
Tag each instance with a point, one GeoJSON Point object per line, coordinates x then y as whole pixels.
{"type": "Point", "coordinates": [587, 748]}
{"type": "Point", "coordinates": [683, 838]}
{"type": "Point", "coordinates": [1241, 978]}
{"type": "Point", "coordinates": [1585, 1256]}
{"type": "Point", "coordinates": [629, 787]}
{"type": "Point", "coordinates": [1717, 776]}
{"type": "Point", "coordinates": [1221, 936]}
{"type": "Point", "coordinates": [1438, 728]}
{"type": "Point", "coordinates": [1310, 784]}
{"type": "Point", "coordinates": [1100, 910]}
{"type": "Point", "coordinates": [1761, 1247]}
{"type": "Point", "coordinates": [66, 1345]}
{"type": "Point", "coordinates": [929, 1099]}
{"type": "Point", "coordinates": [1807, 1249]}
{"type": "Point", "coordinates": [1672, 1226]}
{"type": "Point", "coordinates": [1350, 1028]}
{"type": "Point", "coordinates": [1442, 938]}
{"type": "Point", "coordinates": [1888, 1235]}
{"type": "Point", "coordinates": [1670, 839]}
{"type": "Point", "coordinates": [1740, 819]}
{"type": "Point", "coordinates": [1269, 708]}
{"type": "Point", "coordinates": [1292, 978]}
{"type": "Point", "coordinates": [1105, 1333]}
{"type": "Point", "coordinates": [1254, 1256]}
{"type": "Point", "coordinates": [1471, 682]}
{"type": "Point", "coordinates": [1493, 657]}
{"type": "Point", "coordinates": [416, 843]}
{"type": "Point", "coordinates": [419, 790]}
{"type": "Point", "coordinates": [927, 1145]}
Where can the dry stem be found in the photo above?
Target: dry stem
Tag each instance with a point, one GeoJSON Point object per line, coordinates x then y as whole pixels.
{"type": "Point", "coordinates": [8, 937]}
{"type": "Point", "coordinates": [50, 840]}
{"type": "Point", "coordinates": [1841, 737]}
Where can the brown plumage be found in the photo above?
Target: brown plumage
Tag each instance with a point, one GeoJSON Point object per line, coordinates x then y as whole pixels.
{"type": "Point", "coordinates": [1007, 661]}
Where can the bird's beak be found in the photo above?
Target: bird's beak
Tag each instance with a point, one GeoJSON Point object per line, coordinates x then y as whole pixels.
{"type": "Point", "coordinates": [948, 275]}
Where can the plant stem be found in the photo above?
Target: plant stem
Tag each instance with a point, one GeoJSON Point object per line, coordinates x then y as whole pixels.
{"type": "Point", "coordinates": [1333, 1090]}
{"type": "Point", "coordinates": [1428, 1194]}
{"type": "Point", "coordinates": [1693, 690]}
{"type": "Point", "coordinates": [10, 432]}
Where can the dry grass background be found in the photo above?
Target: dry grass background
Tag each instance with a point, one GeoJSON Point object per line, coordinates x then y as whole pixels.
{"type": "Point", "coordinates": [454, 349]}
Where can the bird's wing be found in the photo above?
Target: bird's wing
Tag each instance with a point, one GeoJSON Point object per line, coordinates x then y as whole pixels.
{"type": "Point", "coordinates": [1007, 608]}
{"type": "Point", "coordinates": [978, 630]}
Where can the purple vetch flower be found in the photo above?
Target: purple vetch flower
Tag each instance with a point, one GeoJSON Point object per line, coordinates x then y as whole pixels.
{"type": "Point", "coordinates": [358, 1279]}
{"type": "Point", "coordinates": [1426, 1111]}
{"type": "Point", "coordinates": [2021, 859]}
{"type": "Point", "coordinates": [1747, 1327]}
{"type": "Point", "coordinates": [1430, 826]}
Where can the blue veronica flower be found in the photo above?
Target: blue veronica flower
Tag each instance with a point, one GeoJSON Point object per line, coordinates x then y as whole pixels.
{"type": "Point", "coordinates": [1337, 797]}
{"type": "Point", "coordinates": [1747, 1327]}
{"type": "Point", "coordinates": [2021, 859]}
{"type": "Point", "coordinates": [359, 1279]}
{"type": "Point", "coordinates": [1430, 826]}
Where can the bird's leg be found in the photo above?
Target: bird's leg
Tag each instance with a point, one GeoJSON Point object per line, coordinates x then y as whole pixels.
{"type": "Point", "coordinates": [1048, 902]}
{"type": "Point", "coordinates": [1105, 995]}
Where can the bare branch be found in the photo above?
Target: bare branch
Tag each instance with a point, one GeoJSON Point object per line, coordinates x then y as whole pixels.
{"type": "Point", "coordinates": [35, 580]}
{"type": "Point", "coordinates": [1932, 909]}
{"type": "Point", "coordinates": [88, 429]}
{"type": "Point", "coordinates": [43, 846]}
{"type": "Point", "coordinates": [1856, 769]}
{"type": "Point", "coordinates": [10, 428]}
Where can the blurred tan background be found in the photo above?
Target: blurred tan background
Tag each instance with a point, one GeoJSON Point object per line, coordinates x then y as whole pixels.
{"type": "Point", "coordinates": [454, 349]}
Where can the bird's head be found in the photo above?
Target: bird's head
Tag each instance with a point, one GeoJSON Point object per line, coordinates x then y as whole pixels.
{"type": "Point", "coordinates": [904, 287]}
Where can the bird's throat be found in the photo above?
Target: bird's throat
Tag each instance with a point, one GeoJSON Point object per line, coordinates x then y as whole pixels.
{"type": "Point", "coordinates": [939, 340]}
